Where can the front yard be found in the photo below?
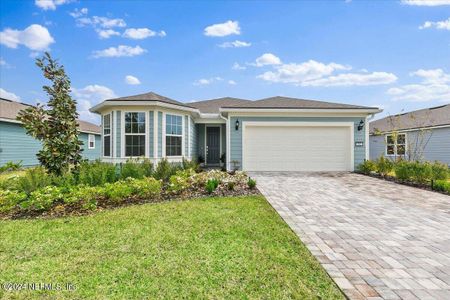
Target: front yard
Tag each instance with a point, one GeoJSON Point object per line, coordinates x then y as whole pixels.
{"type": "Point", "coordinates": [235, 247]}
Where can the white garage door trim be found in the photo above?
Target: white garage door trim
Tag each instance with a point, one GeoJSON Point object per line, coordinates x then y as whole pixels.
{"type": "Point", "coordinates": [350, 126]}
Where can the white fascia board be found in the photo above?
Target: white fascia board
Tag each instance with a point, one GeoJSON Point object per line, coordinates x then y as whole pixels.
{"type": "Point", "coordinates": [98, 107]}
{"type": "Point", "coordinates": [302, 110]}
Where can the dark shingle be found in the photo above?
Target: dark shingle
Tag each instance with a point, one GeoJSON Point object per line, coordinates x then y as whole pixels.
{"type": "Point", "coordinates": [149, 97]}
{"type": "Point", "coordinates": [423, 118]}
{"type": "Point", "coordinates": [287, 102]}
{"type": "Point", "coordinates": [213, 105]}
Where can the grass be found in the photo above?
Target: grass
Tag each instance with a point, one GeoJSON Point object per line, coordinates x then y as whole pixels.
{"type": "Point", "coordinates": [203, 248]}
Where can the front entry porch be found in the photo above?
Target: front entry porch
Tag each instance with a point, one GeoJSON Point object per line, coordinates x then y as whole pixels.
{"type": "Point", "coordinates": [211, 144]}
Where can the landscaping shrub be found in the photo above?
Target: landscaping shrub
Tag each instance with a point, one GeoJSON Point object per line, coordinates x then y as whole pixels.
{"type": "Point", "coordinates": [403, 170]}
{"type": "Point", "coordinates": [180, 180]}
{"type": "Point", "coordinates": [230, 185]}
{"type": "Point", "coordinates": [96, 173]}
{"type": "Point", "coordinates": [132, 169]}
{"type": "Point", "coordinates": [442, 186]}
{"type": "Point", "coordinates": [145, 188]}
{"type": "Point", "coordinates": [367, 167]}
{"type": "Point", "coordinates": [32, 180]}
{"type": "Point", "coordinates": [118, 191]}
{"type": "Point", "coordinates": [251, 183]}
{"type": "Point", "coordinates": [211, 185]}
{"type": "Point", "coordinates": [421, 172]}
{"type": "Point", "coordinates": [42, 199]}
{"type": "Point", "coordinates": [190, 164]}
{"type": "Point", "coordinates": [164, 170]}
{"type": "Point", "coordinates": [85, 196]}
{"type": "Point", "coordinates": [10, 199]}
{"type": "Point", "coordinates": [383, 166]}
{"type": "Point", "coordinates": [439, 171]}
{"type": "Point", "coordinates": [11, 166]}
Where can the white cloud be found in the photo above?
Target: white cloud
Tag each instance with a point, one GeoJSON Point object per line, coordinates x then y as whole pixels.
{"type": "Point", "coordinates": [35, 37]}
{"type": "Point", "coordinates": [129, 79]}
{"type": "Point", "coordinates": [438, 25]}
{"type": "Point", "coordinates": [142, 33]}
{"type": "Point", "coordinates": [232, 82]}
{"type": "Point", "coordinates": [267, 59]}
{"type": "Point", "coordinates": [237, 66]}
{"type": "Point", "coordinates": [89, 96]}
{"type": "Point", "coordinates": [119, 51]}
{"type": "Point", "coordinates": [314, 73]}
{"type": "Point", "coordinates": [3, 63]}
{"type": "Point", "coordinates": [206, 81]}
{"type": "Point", "coordinates": [435, 86]}
{"type": "Point", "coordinates": [107, 33]}
{"type": "Point", "coordinates": [426, 2]}
{"type": "Point", "coordinates": [223, 29]}
{"type": "Point", "coordinates": [235, 44]}
{"type": "Point", "coordinates": [50, 4]}
{"type": "Point", "coordinates": [8, 95]}
{"type": "Point", "coordinates": [79, 12]}
{"type": "Point", "coordinates": [102, 22]}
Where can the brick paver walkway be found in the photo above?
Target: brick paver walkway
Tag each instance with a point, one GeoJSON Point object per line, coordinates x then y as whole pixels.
{"type": "Point", "coordinates": [376, 239]}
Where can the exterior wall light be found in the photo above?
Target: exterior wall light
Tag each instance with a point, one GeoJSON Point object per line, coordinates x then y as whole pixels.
{"type": "Point", "coordinates": [361, 125]}
{"type": "Point", "coordinates": [237, 125]}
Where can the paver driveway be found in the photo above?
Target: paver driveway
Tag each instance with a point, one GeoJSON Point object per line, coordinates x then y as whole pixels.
{"type": "Point", "coordinates": [375, 238]}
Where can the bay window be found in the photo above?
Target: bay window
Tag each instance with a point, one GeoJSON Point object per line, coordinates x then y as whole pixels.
{"type": "Point", "coordinates": [174, 135]}
{"type": "Point", "coordinates": [396, 144]}
{"type": "Point", "coordinates": [107, 135]}
{"type": "Point", "coordinates": [134, 134]}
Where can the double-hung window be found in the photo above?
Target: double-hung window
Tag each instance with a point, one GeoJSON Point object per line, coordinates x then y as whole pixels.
{"type": "Point", "coordinates": [134, 134]}
{"type": "Point", "coordinates": [106, 135]}
{"type": "Point", "coordinates": [91, 141]}
{"type": "Point", "coordinates": [174, 135]}
{"type": "Point", "coordinates": [396, 144]}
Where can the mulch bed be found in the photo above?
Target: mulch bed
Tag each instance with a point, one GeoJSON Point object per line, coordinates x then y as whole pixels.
{"type": "Point", "coordinates": [408, 183]}
{"type": "Point", "coordinates": [64, 210]}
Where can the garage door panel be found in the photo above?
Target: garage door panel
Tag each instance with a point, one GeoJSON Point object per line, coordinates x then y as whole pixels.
{"type": "Point", "coordinates": [296, 148]}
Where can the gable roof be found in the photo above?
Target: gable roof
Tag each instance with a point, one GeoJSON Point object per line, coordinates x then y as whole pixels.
{"type": "Point", "coordinates": [214, 105]}
{"type": "Point", "coordinates": [288, 102]}
{"type": "Point", "coordinates": [10, 109]}
{"type": "Point", "coordinates": [422, 118]}
{"type": "Point", "coordinates": [151, 96]}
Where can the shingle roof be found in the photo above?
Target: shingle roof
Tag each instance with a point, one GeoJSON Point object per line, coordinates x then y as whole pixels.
{"type": "Point", "coordinates": [9, 110]}
{"type": "Point", "coordinates": [213, 105]}
{"type": "Point", "coordinates": [287, 102]}
{"type": "Point", "coordinates": [149, 97]}
{"type": "Point", "coordinates": [423, 118]}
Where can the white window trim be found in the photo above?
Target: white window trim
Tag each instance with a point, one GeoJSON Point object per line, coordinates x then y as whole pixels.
{"type": "Point", "coordinates": [350, 125]}
{"type": "Point", "coordinates": [123, 134]}
{"type": "Point", "coordinates": [90, 135]}
{"type": "Point", "coordinates": [165, 134]}
{"type": "Point", "coordinates": [395, 145]}
{"type": "Point", "coordinates": [104, 135]}
{"type": "Point", "coordinates": [220, 141]}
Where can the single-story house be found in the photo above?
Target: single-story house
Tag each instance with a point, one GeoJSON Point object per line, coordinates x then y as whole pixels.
{"type": "Point", "coordinates": [418, 135]}
{"type": "Point", "coordinates": [272, 134]}
{"type": "Point", "coordinates": [16, 145]}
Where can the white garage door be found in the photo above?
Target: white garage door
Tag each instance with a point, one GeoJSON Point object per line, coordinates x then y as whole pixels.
{"type": "Point", "coordinates": [297, 148]}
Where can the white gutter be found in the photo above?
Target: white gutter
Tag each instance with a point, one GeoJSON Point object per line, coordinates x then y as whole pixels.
{"type": "Point", "coordinates": [96, 108]}
{"type": "Point", "coordinates": [321, 110]}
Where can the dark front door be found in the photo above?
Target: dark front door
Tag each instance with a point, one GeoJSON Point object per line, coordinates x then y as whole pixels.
{"type": "Point", "coordinates": [212, 145]}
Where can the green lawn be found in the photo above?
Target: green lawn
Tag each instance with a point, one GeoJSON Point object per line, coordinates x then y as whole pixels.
{"type": "Point", "coordinates": [205, 248]}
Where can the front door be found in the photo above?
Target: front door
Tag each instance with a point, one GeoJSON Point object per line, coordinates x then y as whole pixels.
{"type": "Point", "coordinates": [212, 145]}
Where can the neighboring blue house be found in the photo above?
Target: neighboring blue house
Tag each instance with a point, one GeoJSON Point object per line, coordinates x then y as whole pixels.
{"type": "Point", "coordinates": [273, 134]}
{"type": "Point", "coordinates": [16, 145]}
{"type": "Point", "coordinates": [418, 135]}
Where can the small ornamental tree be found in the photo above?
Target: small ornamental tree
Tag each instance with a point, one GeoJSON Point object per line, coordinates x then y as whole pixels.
{"type": "Point", "coordinates": [55, 125]}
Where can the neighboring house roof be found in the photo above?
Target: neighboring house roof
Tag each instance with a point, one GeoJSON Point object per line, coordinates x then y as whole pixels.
{"type": "Point", "coordinates": [10, 109]}
{"type": "Point", "coordinates": [149, 97]}
{"type": "Point", "coordinates": [287, 102]}
{"type": "Point", "coordinates": [213, 105]}
{"type": "Point", "coordinates": [423, 118]}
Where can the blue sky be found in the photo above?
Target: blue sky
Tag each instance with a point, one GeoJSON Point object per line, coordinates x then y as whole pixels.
{"type": "Point", "coordinates": [392, 54]}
